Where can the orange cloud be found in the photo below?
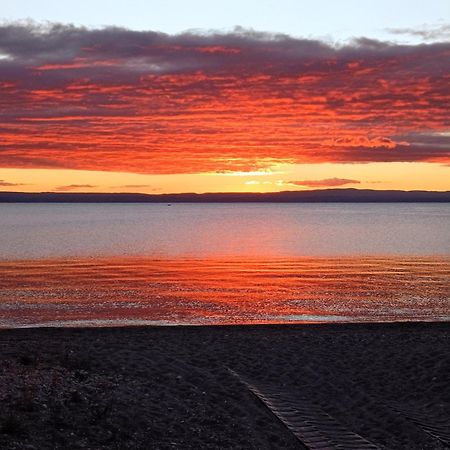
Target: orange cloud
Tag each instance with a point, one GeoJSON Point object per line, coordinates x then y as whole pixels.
{"type": "Point", "coordinates": [146, 102]}
{"type": "Point", "coordinates": [329, 182]}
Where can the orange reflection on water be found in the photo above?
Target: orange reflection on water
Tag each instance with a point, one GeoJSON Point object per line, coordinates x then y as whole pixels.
{"type": "Point", "coordinates": [217, 291]}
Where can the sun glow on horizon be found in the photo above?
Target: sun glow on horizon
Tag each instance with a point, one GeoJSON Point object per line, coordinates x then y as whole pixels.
{"type": "Point", "coordinates": [404, 176]}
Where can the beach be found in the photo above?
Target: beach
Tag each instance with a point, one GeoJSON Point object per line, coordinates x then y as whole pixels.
{"type": "Point", "coordinates": [255, 387]}
{"type": "Point", "coordinates": [224, 225]}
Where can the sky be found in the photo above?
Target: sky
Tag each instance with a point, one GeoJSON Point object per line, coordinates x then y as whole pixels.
{"type": "Point", "coordinates": [336, 20]}
{"type": "Point", "coordinates": [176, 96]}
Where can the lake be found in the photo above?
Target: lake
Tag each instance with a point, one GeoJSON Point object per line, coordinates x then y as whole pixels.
{"type": "Point", "coordinates": [131, 264]}
{"type": "Point", "coordinates": [30, 231]}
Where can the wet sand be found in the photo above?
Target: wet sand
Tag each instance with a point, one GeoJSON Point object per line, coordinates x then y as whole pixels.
{"type": "Point", "coordinates": [226, 387]}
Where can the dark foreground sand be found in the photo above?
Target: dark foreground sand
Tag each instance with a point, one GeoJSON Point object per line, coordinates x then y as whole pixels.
{"type": "Point", "coordinates": [149, 388]}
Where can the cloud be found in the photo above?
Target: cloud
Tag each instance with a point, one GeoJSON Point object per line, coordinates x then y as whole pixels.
{"type": "Point", "coordinates": [148, 102]}
{"type": "Point", "coordinates": [72, 187]}
{"type": "Point", "coordinates": [133, 186]}
{"type": "Point", "coordinates": [4, 183]}
{"type": "Point", "coordinates": [427, 33]}
{"type": "Point", "coordinates": [139, 187]}
{"type": "Point", "coordinates": [328, 182]}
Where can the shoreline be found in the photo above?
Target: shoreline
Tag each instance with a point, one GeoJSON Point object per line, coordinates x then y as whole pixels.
{"type": "Point", "coordinates": [176, 387]}
{"type": "Point", "coordinates": [235, 326]}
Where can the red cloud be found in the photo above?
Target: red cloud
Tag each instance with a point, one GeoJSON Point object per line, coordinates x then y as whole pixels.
{"type": "Point", "coordinates": [114, 99]}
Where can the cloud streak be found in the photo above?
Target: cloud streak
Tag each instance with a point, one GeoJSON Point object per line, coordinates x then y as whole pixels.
{"type": "Point", "coordinates": [132, 186]}
{"type": "Point", "coordinates": [73, 187]}
{"type": "Point", "coordinates": [439, 32]}
{"type": "Point", "coordinates": [4, 183]}
{"type": "Point", "coordinates": [148, 102]}
{"type": "Point", "coordinates": [328, 182]}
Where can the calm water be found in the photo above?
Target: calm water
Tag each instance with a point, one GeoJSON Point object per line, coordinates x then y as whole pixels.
{"type": "Point", "coordinates": [211, 230]}
{"type": "Point", "coordinates": [111, 264]}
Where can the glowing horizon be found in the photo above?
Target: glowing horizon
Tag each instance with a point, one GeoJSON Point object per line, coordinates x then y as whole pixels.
{"type": "Point", "coordinates": [378, 176]}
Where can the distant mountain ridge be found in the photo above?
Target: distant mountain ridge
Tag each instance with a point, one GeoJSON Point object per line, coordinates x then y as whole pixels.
{"type": "Point", "coordinates": [313, 196]}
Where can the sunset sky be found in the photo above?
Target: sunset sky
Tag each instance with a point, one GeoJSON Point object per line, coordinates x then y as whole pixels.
{"type": "Point", "coordinates": [258, 96]}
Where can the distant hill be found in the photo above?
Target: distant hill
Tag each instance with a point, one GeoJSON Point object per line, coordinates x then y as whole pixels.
{"type": "Point", "coordinates": [316, 196]}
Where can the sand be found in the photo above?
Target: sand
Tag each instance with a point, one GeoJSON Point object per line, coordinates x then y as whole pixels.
{"type": "Point", "coordinates": [252, 387]}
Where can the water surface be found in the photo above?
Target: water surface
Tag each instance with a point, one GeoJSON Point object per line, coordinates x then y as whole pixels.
{"type": "Point", "coordinates": [223, 291]}
{"type": "Point", "coordinates": [122, 264]}
{"type": "Point", "coordinates": [212, 230]}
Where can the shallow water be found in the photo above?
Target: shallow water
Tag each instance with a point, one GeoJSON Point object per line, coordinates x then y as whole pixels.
{"type": "Point", "coordinates": [120, 291]}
